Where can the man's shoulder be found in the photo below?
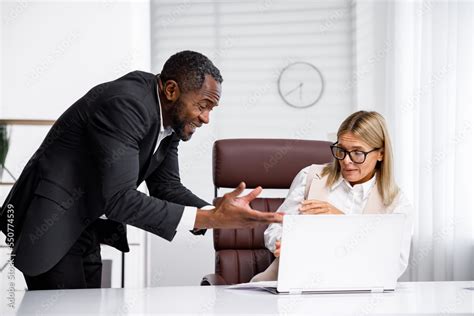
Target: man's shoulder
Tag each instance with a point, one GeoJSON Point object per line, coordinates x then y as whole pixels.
{"type": "Point", "coordinates": [136, 85]}
{"type": "Point", "coordinates": [139, 74]}
{"type": "Point", "coordinates": [137, 80]}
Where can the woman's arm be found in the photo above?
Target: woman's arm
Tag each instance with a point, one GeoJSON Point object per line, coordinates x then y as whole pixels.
{"type": "Point", "coordinates": [289, 206]}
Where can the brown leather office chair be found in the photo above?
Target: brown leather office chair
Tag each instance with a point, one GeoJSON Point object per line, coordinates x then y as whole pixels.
{"type": "Point", "coordinates": [272, 164]}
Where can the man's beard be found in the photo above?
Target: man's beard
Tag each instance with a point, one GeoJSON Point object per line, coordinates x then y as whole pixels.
{"type": "Point", "coordinates": [177, 123]}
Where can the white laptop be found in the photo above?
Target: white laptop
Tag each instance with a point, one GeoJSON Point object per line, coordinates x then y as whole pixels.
{"type": "Point", "coordinates": [335, 253]}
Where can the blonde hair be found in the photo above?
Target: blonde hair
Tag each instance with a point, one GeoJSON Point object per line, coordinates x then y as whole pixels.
{"type": "Point", "coordinates": [370, 127]}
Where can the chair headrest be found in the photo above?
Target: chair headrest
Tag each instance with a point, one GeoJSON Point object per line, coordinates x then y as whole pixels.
{"type": "Point", "coordinates": [270, 163]}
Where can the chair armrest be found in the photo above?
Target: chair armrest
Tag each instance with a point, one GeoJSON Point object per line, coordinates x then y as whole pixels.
{"type": "Point", "coordinates": [213, 279]}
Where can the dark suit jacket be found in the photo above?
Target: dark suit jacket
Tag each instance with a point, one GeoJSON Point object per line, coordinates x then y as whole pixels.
{"type": "Point", "coordinates": [90, 164]}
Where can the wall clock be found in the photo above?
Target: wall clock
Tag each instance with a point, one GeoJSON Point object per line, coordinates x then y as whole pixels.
{"type": "Point", "coordinates": [300, 84]}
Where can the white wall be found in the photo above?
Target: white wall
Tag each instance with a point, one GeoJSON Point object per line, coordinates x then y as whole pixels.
{"type": "Point", "coordinates": [54, 52]}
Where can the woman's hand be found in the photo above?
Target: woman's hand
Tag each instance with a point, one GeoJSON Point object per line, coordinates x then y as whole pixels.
{"type": "Point", "coordinates": [276, 253]}
{"type": "Point", "coordinates": [318, 207]}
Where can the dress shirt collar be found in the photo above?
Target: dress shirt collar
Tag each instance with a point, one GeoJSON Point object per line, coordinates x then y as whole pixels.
{"type": "Point", "coordinates": [365, 187]}
{"type": "Point", "coordinates": [168, 130]}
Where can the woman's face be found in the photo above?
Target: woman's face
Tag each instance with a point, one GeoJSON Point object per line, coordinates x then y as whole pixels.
{"type": "Point", "coordinates": [357, 173]}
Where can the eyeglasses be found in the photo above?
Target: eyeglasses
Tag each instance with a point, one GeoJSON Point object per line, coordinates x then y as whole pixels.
{"type": "Point", "coordinates": [357, 156]}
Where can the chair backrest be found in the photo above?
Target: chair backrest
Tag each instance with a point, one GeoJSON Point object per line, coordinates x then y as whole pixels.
{"type": "Point", "coordinates": [272, 164]}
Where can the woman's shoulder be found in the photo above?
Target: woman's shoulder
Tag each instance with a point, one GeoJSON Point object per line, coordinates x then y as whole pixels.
{"type": "Point", "coordinates": [308, 173]}
{"type": "Point", "coordinates": [310, 170]}
{"type": "Point", "coordinates": [316, 168]}
{"type": "Point", "coordinates": [401, 202]}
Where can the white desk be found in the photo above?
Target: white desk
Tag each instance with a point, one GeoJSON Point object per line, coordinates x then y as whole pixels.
{"type": "Point", "coordinates": [410, 298]}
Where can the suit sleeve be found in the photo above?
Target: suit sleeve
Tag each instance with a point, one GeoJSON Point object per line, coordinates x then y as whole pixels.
{"type": "Point", "coordinates": [114, 133]}
{"type": "Point", "coordinates": [165, 183]}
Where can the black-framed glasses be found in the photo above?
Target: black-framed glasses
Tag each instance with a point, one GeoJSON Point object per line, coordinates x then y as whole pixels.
{"type": "Point", "coordinates": [357, 156]}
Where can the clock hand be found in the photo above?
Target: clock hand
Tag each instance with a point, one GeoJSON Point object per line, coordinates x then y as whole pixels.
{"type": "Point", "coordinates": [301, 92]}
{"type": "Point", "coordinates": [294, 89]}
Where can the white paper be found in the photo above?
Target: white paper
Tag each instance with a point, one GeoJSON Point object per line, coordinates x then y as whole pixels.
{"type": "Point", "coordinates": [254, 285]}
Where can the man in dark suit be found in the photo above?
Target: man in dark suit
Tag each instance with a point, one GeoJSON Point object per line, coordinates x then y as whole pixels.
{"type": "Point", "coordinates": [80, 187]}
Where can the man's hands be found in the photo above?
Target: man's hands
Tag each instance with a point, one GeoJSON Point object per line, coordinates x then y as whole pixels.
{"type": "Point", "coordinates": [317, 207]}
{"type": "Point", "coordinates": [233, 211]}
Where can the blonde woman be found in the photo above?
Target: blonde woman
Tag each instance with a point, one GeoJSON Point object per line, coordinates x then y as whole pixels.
{"type": "Point", "coordinates": [359, 181]}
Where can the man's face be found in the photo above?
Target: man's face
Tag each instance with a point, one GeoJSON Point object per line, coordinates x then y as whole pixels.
{"type": "Point", "coordinates": [192, 108]}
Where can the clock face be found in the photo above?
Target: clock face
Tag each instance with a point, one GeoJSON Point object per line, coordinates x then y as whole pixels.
{"type": "Point", "coordinates": [300, 84]}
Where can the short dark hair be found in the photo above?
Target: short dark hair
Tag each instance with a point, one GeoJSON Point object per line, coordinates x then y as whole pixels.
{"type": "Point", "coordinates": [189, 69]}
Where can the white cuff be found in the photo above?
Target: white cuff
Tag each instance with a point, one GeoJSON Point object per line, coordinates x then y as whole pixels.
{"type": "Point", "coordinates": [189, 217]}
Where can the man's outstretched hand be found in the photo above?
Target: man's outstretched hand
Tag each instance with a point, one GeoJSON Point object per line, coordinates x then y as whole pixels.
{"type": "Point", "coordinates": [233, 211]}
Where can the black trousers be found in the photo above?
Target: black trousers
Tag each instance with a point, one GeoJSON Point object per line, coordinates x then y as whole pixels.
{"type": "Point", "coordinates": [80, 268]}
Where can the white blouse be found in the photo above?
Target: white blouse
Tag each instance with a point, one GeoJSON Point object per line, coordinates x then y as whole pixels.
{"type": "Point", "coordinates": [349, 200]}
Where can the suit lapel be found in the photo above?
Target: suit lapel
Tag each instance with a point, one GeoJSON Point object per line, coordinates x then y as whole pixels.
{"type": "Point", "coordinates": [159, 155]}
